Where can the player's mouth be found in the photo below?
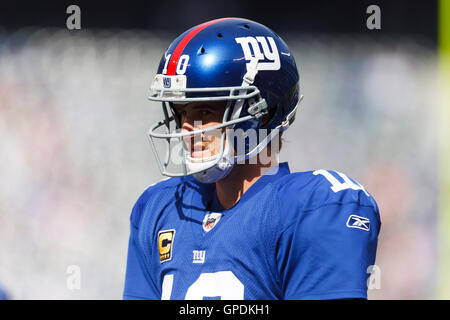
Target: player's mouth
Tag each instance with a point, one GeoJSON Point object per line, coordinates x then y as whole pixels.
{"type": "Point", "coordinates": [202, 148]}
{"type": "Point", "coordinates": [198, 150]}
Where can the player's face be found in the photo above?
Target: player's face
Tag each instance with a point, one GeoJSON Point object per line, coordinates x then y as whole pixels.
{"type": "Point", "coordinates": [200, 115]}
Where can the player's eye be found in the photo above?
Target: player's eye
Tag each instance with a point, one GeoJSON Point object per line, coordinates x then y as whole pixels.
{"type": "Point", "coordinates": [205, 112]}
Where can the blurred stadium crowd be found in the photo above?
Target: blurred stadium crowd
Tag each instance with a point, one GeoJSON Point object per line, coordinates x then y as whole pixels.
{"type": "Point", "coordinates": [73, 118]}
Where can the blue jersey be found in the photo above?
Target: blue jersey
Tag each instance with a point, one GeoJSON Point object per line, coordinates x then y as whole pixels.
{"type": "Point", "coordinates": [3, 295]}
{"type": "Point", "coordinates": [305, 235]}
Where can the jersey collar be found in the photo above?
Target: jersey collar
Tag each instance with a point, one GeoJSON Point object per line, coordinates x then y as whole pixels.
{"type": "Point", "coordinates": [273, 174]}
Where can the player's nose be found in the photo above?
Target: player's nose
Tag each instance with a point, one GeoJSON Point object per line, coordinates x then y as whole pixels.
{"type": "Point", "coordinates": [189, 124]}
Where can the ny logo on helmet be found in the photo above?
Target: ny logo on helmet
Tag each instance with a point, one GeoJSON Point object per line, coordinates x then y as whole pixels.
{"type": "Point", "coordinates": [251, 47]}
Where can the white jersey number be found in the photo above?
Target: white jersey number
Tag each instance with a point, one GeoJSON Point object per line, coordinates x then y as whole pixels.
{"type": "Point", "coordinates": [223, 284]}
{"type": "Point", "coordinates": [336, 185]}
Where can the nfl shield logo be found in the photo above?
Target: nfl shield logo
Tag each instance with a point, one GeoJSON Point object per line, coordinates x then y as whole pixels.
{"type": "Point", "coordinates": [166, 82]}
{"type": "Point", "coordinates": [210, 220]}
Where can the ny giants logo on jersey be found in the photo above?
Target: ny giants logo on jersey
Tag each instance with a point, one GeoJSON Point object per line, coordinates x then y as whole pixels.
{"type": "Point", "coordinates": [198, 256]}
{"type": "Point", "coordinates": [251, 46]}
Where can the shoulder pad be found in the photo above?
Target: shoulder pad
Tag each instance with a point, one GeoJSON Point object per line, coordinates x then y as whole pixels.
{"type": "Point", "coordinates": [313, 189]}
{"type": "Point", "coordinates": [136, 213]}
{"type": "Point", "coordinates": [335, 187]}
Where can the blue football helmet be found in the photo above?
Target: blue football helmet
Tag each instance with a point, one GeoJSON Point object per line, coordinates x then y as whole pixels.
{"type": "Point", "coordinates": [231, 59]}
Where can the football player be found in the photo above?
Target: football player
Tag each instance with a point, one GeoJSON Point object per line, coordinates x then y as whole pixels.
{"type": "Point", "coordinates": [232, 222]}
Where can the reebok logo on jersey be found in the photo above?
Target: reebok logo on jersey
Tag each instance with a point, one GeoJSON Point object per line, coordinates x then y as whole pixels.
{"type": "Point", "coordinates": [165, 244]}
{"type": "Point", "coordinates": [358, 222]}
{"type": "Point", "coordinates": [210, 220]}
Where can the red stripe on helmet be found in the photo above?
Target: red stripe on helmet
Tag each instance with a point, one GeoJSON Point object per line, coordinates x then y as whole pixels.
{"type": "Point", "coordinates": [182, 44]}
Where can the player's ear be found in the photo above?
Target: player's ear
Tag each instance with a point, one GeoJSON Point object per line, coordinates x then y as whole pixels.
{"type": "Point", "coordinates": [268, 116]}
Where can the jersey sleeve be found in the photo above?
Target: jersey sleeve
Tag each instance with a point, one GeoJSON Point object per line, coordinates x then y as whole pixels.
{"type": "Point", "coordinates": [326, 251]}
{"type": "Point", "coordinates": [138, 280]}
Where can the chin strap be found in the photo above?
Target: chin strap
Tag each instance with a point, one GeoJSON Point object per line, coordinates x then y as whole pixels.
{"type": "Point", "coordinates": [221, 169]}
{"type": "Point", "coordinates": [252, 71]}
{"type": "Point", "coordinates": [289, 118]}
